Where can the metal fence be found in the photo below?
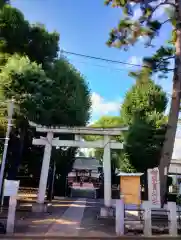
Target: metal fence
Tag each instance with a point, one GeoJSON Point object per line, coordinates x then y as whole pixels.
{"type": "Point", "coordinates": [134, 221]}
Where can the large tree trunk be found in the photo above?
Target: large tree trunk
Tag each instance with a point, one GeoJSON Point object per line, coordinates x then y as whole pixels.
{"type": "Point", "coordinates": [174, 111]}
{"type": "Point", "coordinates": [169, 138]}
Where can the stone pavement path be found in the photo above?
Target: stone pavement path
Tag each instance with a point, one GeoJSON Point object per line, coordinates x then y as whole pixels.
{"type": "Point", "coordinates": [39, 223]}
{"type": "Point", "coordinates": [69, 223]}
{"type": "Point", "coordinates": [92, 226]}
{"type": "Point", "coordinates": [69, 217]}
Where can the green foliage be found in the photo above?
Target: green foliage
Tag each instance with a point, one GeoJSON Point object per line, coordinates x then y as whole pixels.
{"type": "Point", "coordinates": [47, 90]}
{"type": "Point", "coordinates": [143, 99]}
{"type": "Point", "coordinates": [108, 122]}
{"type": "Point", "coordinates": [143, 110]}
{"type": "Point", "coordinates": [3, 2]}
{"type": "Point", "coordinates": [18, 36]}
{"type": "Point", "coordinates": [143, 144]}
{"type": "Point", "coordinates": [118, 159]}
{"type": "Point", "coordinates": [105, 122]}
{"type": "Point", "coordinates": [124, 164]}
{"type": "Point", "coordinates": [19, 79]}
{"type": "Point", "coordinates": [161, 60]}
{"type": "Point", "coordinates": [36, 95]}
{"type": "Point", "coordinates": [148, 26]}
{"type": "Point", "coordinates": [69, 101]}
{"type": "Point", "coordinates": [129, 30]}
{"type": "Point", "coordinates": [55, 94]}
{"type": "Point", "coordinates": [43, 46]}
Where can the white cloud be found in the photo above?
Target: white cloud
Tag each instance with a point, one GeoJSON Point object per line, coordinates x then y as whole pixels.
{"type": "Point", "coordinates": [137, 13]}
{"type": "Point", "coordinates": [134, 61]}
{"type": "Point", "coordinates": [100, 106]}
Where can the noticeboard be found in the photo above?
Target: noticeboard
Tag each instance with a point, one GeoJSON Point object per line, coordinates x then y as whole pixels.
{"type": "Point", "coordinates": [10, 188]}
{"type": "Point", "coordinates": [130, 189]}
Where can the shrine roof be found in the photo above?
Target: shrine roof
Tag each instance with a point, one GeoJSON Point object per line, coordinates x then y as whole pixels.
{"type": "Point", "coordinates": [129, 174]}
{"type": "Point", "coordinates": [88, 163]}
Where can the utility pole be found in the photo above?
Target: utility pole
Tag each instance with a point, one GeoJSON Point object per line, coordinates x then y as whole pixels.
{"type": "Point", "coordinates": [9, 125]}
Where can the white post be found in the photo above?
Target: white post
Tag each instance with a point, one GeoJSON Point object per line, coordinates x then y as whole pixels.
{"type": "Point", "coordinates": [9, 125]}
{"type": "Point", "coordinates": [107, 171]}
{"type": "Point", "coordinates": [45, 169]}
{"type": "Point", "coordinates": [119, 217]}
{"type": "Point", "coordinates": [179, 189]}
{"type": "Point", "coordinates": [147, 229]}
{"type": "Point", "coordinates": [172, 219]}
{"type": "Point", "coordinates": [11, 214]}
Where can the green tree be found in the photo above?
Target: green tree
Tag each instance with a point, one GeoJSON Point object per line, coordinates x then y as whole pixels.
{"type": "Point", "coordinates": [143, 99]}
{"type": "Point", "coordinates": [117, 156]}
{"type": "Point", "coordinates": [129, 31]}
{"type": "Point", "coordinates": [47, 90]}
{"type": "Point", "coordinates": [3, 2]}
{"type": "Point", "coordinates": [19, 36]}
{"type": "Point", "coordinates": [63, 99]}
{"type": "Point", "coordinates": [143, 110]}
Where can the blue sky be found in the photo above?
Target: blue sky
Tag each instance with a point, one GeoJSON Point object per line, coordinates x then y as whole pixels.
{"type": "Point", "coordinates": [84, 26]}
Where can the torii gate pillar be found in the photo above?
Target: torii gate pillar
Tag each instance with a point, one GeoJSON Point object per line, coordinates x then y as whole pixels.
{"type": "Point", "coordinates": [39, 206]}
{"type": "Point", "coordinates": [107, 172]}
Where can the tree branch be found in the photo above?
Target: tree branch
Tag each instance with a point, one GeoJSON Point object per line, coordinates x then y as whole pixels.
{"type": "Point", "coordinates": [166, 21]}
{"type": "Point", "coordinates": [161, 4]}
{"type": "Point", "coordinates": [165, 59]}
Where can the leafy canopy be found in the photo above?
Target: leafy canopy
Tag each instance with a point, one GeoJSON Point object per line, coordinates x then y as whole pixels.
{"type": "Point", "coordinates": [130, 29]}
{"type": "Point", "coordinates": [143, 110]}
{"type": "Point", "coordinates": [17, 35]}
{"type": "Point", "coordinates": [47, 90]}
{"type": "Point", "coordinates": [36, 94]}
{"type": "Point", "coordinates": [143, 100]}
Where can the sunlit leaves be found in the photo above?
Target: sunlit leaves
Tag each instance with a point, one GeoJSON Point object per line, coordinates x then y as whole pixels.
{"type": "Point", "coordinates": [144, 97]}
{"type": "Point", "coordinates": [143, 110]}
{"type": "Point", "coordinates": [18, 36]}
{"type": "Point", "coordinates": [130, 30]}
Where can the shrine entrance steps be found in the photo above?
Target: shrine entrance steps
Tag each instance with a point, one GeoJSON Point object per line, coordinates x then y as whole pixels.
{"type": "Point", "coordinates": [83, 193]}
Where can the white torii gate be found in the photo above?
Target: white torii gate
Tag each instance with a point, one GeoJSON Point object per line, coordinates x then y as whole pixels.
{"type": "Point", "coordinates": [106, 143]}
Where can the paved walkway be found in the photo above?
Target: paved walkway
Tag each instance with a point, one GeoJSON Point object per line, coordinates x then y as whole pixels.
{"type": "Point", "coordinates": [69, 223]}
{"type": "Point", "coordinates": [68, 217]}
{"type": "Point", "coordinates": [71, 218]}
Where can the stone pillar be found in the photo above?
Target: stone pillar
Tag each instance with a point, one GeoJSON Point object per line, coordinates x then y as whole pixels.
{"type": "Point", "coordinates": [179, 188]}
{"type": "Point", "coordinates": [120, 217]}
{"type": "Point", "coordinates": [11, 214]}
{"type": "Point", "coordinates": [107, 172]}
{"type": "Point", "coordinates": [173, 225]}
{"type": "Point", "coordinates": [45, 169]}
{"type": "Point", "coordinates": [154, 187]}
{"type": "Point", "coordinates": [147, 229]}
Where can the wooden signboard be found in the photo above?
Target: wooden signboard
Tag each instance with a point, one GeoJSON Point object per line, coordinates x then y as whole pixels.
{"type": "Point", "coordinates": [130, 188]}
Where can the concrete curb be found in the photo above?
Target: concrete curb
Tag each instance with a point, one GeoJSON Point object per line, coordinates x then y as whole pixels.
{"type": "Point", "coordinates": [52, 237]}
